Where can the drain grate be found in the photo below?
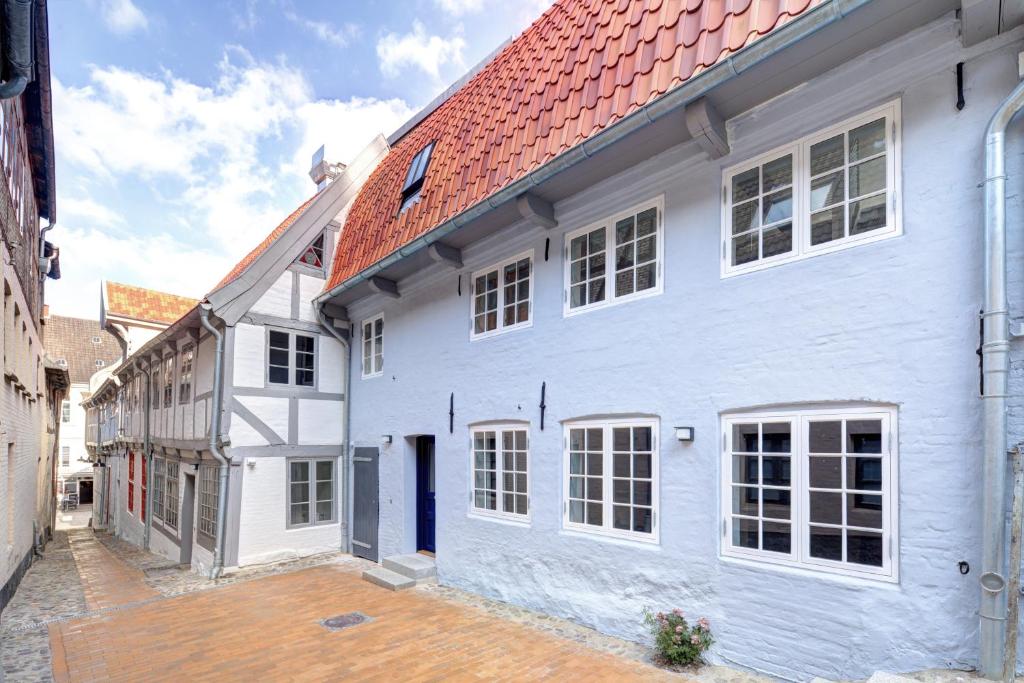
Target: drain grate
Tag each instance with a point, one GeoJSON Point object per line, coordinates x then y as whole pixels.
{"type": "Point", "coordinates": [343, 621]}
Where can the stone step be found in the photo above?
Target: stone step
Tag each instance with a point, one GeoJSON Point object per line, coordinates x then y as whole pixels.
{"type": "Point", "coordinates": [414, 566]}
{"type": "Point", "coordinates": [388, 579]}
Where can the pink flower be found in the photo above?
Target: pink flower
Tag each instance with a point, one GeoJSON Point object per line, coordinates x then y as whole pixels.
{"type": "Point", "coordinates": [703, 623]}
{"type": "Point", "coordinates": [679, 629]}
{"type": "Point", "coordinates": [678, 612]}
{"type": "Point", "coordinates": [695, 639]}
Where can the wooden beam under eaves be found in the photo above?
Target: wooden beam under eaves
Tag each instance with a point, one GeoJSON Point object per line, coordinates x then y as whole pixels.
{"type": "Point", "coordinates": [444, 253]}
{"type": "Point", "coordinates": [382, 285]}
{"type": "Point", "coordinates": [707, 128]}
{"type": "Point", "coordinates": [537, 210]}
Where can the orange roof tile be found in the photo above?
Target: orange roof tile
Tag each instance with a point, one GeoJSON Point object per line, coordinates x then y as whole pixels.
{"type": "Point", "coordinates": [264, 245]}
{"type": "Point", "coordinates": [147, 305]}
{"type": "Point", "coordinates": [582, 66]}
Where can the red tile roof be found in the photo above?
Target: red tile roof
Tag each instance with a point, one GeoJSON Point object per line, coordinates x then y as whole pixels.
{"type": "Point", "coordinates": [264, 245]}
{"type": "Point", "coordinates": [147, 305]}
{"type": "Point", "coordinates": [583, 65]}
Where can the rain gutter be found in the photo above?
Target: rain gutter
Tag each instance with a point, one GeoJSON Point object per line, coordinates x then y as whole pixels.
{"type": "Point", "coordinates": [764, 48]}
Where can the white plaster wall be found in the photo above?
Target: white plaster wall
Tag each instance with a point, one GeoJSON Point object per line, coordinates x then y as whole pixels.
{"type": "Point", "coordinates": [894, 321]}
{"type": "Point", "coordinates": [242, 433]}
{"type": "Point", "coordinates": [320, 422]}
{"type": "Point", "coordinates": [263, 536]}
{"type": "Point", "coordinates": [332, 365]}
{"type": "Point", "coordinates": [249, 355]}
{"type": "Point", "coordinates": [72, 435]}
{"type": "Point", "coordinates": [309, 288]}
{"type": "Point", "coordinates": [271, 411]}
{"type": "Point", "coordinates": [277, 300]}
{"type": "Point", "coordinates": [128, 524]}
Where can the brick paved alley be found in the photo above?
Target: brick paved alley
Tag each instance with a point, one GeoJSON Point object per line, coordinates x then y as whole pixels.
{"type": "Point", "coordinates": [95, 609]}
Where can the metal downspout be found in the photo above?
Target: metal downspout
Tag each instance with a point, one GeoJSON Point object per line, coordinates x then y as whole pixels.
{"type": "Point", "coordinates": [147, 453]}
{"type": "Point", "coordinates": [995, 359]}
{"type": "Point", "coordinates": [346, 537]}
{"type": "Point", "coordinates": [222, 485]}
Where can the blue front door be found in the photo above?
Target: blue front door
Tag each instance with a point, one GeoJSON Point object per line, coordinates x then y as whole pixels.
{"type": "Point", "coordinates": [425, 493]}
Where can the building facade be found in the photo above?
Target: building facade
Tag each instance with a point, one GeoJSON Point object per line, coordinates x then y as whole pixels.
{"type": "Point", "coordinates": [27, 427]}
{"type": "Point", "coordinates": [161, 426]}
{"type": "Point", "coordinates": [700, 328]}
{"type": "Point", "coordinates": [82, 348]}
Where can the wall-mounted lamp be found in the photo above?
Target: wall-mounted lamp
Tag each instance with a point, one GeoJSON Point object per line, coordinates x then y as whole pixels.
{"type": "Point", "coordinates": [195, 467]}
{"type": "Point", "coordinates": [684, 434]}
{"type": "Point", "coordinates": [250, 463]}
{"type": "Point", "coordinates": [386, 439]}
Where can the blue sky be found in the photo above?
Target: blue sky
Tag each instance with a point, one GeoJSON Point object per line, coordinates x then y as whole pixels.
{"type": "Point", "coordinates": [184, 128]}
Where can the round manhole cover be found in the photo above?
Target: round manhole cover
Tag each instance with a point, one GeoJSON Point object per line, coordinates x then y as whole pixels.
{"type": "Point", "coordinates": [344, 621]}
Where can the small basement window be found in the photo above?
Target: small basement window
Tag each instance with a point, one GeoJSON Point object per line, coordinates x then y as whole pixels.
{"type": "Point", "coordinates": [414, 178]}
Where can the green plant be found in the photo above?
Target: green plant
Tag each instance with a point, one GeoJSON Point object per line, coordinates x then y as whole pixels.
{"type": "Point", "coordinates": [675, 640]}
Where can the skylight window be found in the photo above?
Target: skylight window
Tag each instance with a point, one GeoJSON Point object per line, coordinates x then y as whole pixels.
{"type": "Point", "coordinates": [414, 178]}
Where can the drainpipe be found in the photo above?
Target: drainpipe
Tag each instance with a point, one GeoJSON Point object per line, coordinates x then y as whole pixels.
{"type": "Point", "coordinates": [995, 361]}
{"type": "Point", "coordinates": [147, 452]}
{"type": "Point", "coordinates": [17, 46]}
{"type": "Point", "coordinates": [346, 541]}
{"type": "Point", "coordinates": [222, 488]}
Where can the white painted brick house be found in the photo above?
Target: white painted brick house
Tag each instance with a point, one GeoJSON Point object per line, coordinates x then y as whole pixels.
{"type": "Point", "coordinates": [28, 428]}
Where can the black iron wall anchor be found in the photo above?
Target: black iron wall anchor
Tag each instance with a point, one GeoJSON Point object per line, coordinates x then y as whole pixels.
{"type": "Point", "coordinates": [451, 413]}
{"type": "Point", "coordinates": [547, 248]}
{"type": "Point", "coordinates": [460, 284]}
{"type": "Point", "coordinates": [543, 403]}
{"type": "Point", "coordinates": [960, 103]}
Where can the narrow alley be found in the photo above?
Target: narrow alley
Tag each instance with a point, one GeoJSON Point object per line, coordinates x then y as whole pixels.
{"type": "Point", "coordinates": [95, 608]}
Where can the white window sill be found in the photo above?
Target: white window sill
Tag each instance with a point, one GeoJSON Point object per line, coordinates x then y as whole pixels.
{"type": "Point", "coordinates": [840, 575]}
{"type": "Point", "coordinates": [650, 544]}
{"type": "Point", "coordinates": [809, 252]}
{"type": "Point", "coordinates": [306, 527]}
{"type": "Point", "coordinates": [500, 331]}
{"type": "Point", "coordinates": [376, 374]}
{"type": "Point", "coordinates": [521, 521]}
{"type": "Point", "coordinates": [611, 303]}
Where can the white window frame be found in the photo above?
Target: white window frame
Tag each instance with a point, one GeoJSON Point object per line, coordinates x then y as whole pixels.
{"type": "Point", "coordinates": [801, 151]}
{"type": "Point", "coordinates": [293, 354]}
{"type": "Point", "coordinates": [208, 493]}
{"type": "Point", "coordinates": [502, 327]}
{"type": "Point", "coordinates": [171, 494]}
{"type": "Point", "coordinates": [499, 513]}
{"type": "Point", "coordinates": [608, 223]}
{"type": "Point", "coordinates": [375, 346]}
{"type": "Point", "coordinates": [312, 501]}
{"type": "Point", "coordinates": [607, 529]}
{"type": "Point", "coordinates": [799, 555]}
{"type": "Point", "coordinates": [159, 485]}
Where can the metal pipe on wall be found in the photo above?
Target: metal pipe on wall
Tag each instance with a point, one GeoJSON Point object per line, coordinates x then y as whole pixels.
{"type": "Point", "coordinates": [346, 527]}
{"type": "Point", "coordinates": [996, 361]}
{"type": "Point", "coordinates": [216, 398]}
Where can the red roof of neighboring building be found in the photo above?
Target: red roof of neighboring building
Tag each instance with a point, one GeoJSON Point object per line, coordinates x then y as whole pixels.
{"type": "Point", "coordinates": [147, 305]}
{"type": "Point", "coordinates": [582, 66]}
{"type": "Point", "coordinates": [264, 245]}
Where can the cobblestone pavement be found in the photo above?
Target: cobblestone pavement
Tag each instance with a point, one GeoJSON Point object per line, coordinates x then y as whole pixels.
{"type": "Point", "coordinates": [50, 591]}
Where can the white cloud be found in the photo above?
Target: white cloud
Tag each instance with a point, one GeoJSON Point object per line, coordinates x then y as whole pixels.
{"type": "Point", "coordinates": [428, 53]}
{"type": "Point", "coordinates": [224, 162]}
{"type": "Point", "coordinates": [325, 31]}
{"type": "Point", "coordinates": [159, 262]}
{"type": "Point", "coordinates": [122, 16]}
{"type": "Point", "coordinates": [93, 212]}
{"type": "Point", "coordinates": [459, 7]}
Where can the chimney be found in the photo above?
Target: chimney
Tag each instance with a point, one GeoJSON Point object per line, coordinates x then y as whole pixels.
{"type": "Point", "coordinates": [322, 171]}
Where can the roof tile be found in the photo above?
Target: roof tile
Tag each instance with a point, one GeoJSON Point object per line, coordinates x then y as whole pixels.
{"type": "Point", "coordinates": [583, 65]}
{"type": "Point", "coordinates": [146, 305]}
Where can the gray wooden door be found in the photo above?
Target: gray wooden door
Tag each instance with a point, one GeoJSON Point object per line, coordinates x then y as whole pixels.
{"type": "Point", "coordinates": [365, 501]}
{"type": "Point", "coordinates": [188, 502]}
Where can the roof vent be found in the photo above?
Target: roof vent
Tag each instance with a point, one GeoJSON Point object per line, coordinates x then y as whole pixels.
{"type": "Point", "coordinates": [322, 171]}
